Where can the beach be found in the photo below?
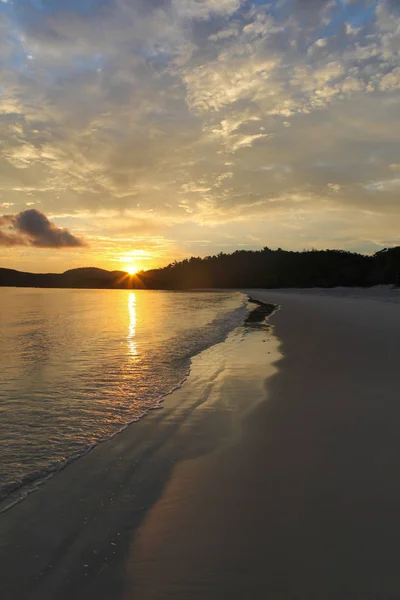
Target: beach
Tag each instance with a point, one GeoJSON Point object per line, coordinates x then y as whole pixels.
{"type": "Point", "coordinates": [271, 473]}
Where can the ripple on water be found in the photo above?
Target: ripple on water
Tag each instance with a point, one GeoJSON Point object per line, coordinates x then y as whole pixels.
{"type": "Point", "coordinates": [77, 366]}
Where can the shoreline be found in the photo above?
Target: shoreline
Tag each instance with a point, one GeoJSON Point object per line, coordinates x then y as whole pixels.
{"type": "Point", "coordinates": [304, 504]}
{"type": "Point", "coordinates": [19, 493]}
{"type": "Point", "coordinates": [87, 513]}
{"type": "Point", "coordinates": [273, 472]}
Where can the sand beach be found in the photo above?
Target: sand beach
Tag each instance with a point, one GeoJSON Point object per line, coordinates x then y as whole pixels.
{"type": "Point", "coordinates": [272, 473]}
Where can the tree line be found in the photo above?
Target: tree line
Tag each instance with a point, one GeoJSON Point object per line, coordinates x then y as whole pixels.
{"type": "Point", "coordinates": [264, 268]}
{"type": "Point", "coordinates": [268, 268]}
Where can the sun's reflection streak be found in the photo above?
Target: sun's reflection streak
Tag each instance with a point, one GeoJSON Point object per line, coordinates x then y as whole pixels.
{"type": "Point", "coordinates": [132, 325]}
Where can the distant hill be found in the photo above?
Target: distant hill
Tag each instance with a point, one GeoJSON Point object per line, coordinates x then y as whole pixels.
{"type": "Point", "coordinates": [86, 277]}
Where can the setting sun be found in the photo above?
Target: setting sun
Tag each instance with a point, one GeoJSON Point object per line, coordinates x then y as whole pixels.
{"type": "Point", "coordinates": [131, 269]}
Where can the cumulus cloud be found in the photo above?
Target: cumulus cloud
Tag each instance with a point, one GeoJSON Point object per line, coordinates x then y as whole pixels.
{"type": "Point", "coordinates": [33, 228]}
{"type": "Point", "coordinates": [391, 81]}
{"type": "Point", "coordinates": [146, 107]}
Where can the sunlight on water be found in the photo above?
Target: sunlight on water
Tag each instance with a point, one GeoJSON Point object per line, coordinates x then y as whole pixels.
{"type": "Point", "coordinates": [76, 366]}
{"type": "Point", "coordinates": [132, 325]}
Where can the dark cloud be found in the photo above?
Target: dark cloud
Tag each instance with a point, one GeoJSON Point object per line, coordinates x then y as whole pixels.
{"type": "Point", "coordinates": [33, 228]}
{"type": "Point", "coordinates": [154, 4]}
{"type": "Point", "coordinates": [311, 4]}
{"type": "Point", "coordinates": [8, 239]}
{"type": "Point", "coordinates": [393, 5]}
{"type": "Point", "coordinates": [199, 113]}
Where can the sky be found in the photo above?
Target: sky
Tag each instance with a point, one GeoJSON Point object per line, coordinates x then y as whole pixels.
{"type": "Point", "coordinates": [137, 132]}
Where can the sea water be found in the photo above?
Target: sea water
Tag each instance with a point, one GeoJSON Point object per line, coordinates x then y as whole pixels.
{"type": "Point", "coordinates": [77, 366]}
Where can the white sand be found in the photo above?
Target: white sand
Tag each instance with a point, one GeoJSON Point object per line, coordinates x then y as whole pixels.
{"type": "Point", "coordinates": [347, 337]}
{"type": "Point", "coordinates": [384, 293]}
{"type": "Point", "coordinates": [305, 503]}
{"type": "Point", "coordinates": [296, 499]}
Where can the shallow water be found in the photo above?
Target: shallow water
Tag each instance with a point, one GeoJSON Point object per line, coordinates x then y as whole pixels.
{"type": "Point", "coordinates": [76, 366]}
{"type": "Point", "coordinates": [76, 536]}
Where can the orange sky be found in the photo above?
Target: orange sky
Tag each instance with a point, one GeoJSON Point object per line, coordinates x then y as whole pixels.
{"type": "Point", "coordinates": [143, 132]}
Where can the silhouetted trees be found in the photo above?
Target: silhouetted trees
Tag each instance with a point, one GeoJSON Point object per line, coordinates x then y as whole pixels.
{"type": "Point", "coordinates": [264, 268]}
{"type": "Point", "coordinates": [268, 268]}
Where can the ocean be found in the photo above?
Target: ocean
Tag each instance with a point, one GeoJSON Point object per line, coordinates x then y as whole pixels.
{"type": "Point", "coordinates": [78, 366]}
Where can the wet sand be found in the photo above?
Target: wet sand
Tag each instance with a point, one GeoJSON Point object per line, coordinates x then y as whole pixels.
{"type": "Point", "coordinates": [276, 482]}
{"type": "Point", "coordinates": [305, 505]}
{"type": "Point", "coordinates": [72, 538]}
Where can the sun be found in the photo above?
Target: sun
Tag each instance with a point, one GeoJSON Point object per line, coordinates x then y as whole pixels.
{"type": "Point", "coordinates": [131, 269]}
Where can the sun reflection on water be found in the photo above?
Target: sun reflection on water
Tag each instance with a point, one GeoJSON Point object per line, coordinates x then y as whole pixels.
{"type": "Point", "coordinates": [132, 325]}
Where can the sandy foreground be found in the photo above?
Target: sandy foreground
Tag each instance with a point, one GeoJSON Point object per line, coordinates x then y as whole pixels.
{"type": "Point", "coordinates": [272, 473]}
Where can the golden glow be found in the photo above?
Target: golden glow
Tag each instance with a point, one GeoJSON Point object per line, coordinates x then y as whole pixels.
{"type": "Point", "coordinates": [132, 324]}
{"type": "Point", "coordinates": [131, 269]}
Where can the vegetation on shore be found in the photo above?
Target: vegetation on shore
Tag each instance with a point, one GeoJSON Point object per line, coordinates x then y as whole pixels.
{"type": "Point", "coordinates": [268, 268]}
{"type": "Point", "coordinates": [264, 268]}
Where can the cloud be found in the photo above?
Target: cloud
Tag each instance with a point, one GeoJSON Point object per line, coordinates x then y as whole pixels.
{"type": "Point", "coordinates": [145, 107]}
{"type": "Point", "coordinates": [391, 81]}
{"type": "Point", "coordinates": [204, 9]}
{"type": "Point", "coordinates": [33, 228]}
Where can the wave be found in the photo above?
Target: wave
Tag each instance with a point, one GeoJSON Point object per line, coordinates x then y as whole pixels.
{"type": "Point", "coordinates": [181, 350]}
